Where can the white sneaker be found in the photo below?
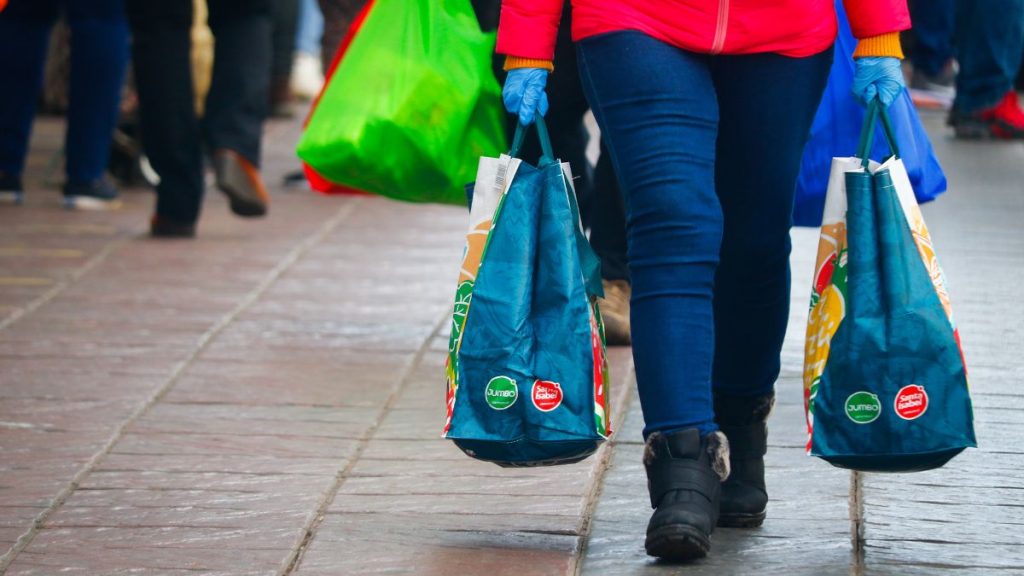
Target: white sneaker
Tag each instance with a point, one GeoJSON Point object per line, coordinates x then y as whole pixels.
{"type": "Point", "coordinates": [11, 197]}
{"type": "Point", "coordinates": [307, 77]}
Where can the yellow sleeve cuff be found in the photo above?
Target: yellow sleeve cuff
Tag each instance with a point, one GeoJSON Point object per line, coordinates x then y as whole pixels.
{"type": "Point", "coordinates": [883, 45]}
{"type": "Point", "coordinates": [513, 62]}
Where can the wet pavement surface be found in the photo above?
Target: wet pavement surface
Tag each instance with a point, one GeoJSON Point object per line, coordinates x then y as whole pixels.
{"type": "Point", "coordinates": [268, 399]}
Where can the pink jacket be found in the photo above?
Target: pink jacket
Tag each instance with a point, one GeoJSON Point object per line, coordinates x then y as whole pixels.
{"type": "Point", "coordinates": [789, 27]}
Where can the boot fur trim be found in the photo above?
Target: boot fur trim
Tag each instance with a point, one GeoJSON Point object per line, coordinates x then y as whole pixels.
{"type": "Point", "coordinates": [718, 450]}
{"type": "Point", "coordinates": [717, 447]}
{"type": "Point", "coordinates": [650, 452]}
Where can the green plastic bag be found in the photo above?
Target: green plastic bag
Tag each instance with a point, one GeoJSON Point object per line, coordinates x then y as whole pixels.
{"type": "Point", "coordinates": [412, 106]}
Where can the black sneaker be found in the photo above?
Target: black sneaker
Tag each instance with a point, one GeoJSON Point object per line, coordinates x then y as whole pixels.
{"type": "Point", "coordinates": [11, 190]}
{"type": "Point", "coordinates": [97, 195]}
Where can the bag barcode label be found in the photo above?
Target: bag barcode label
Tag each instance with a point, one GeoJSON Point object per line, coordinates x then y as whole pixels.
{"type": "Point", "coordinates": [499, 177]}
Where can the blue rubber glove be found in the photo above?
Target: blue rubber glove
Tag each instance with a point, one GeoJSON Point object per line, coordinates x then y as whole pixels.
{"type": "Point", "coordinates": [524, 94]}
{"type": "Point", "coordinates": [880, 77]}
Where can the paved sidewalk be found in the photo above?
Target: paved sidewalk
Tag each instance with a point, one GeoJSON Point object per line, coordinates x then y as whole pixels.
{"type": "Point", "coordinates": [267, 399]}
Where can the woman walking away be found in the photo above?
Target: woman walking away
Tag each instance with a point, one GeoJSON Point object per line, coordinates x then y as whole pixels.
{"type": "Point", "coordinates": [705, 108]}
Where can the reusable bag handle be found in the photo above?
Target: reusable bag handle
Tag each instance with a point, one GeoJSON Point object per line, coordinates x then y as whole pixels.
{"type": "Point", "coordinates": [867, 132]}
{"type": "Point", "coordinates": [547, 156]}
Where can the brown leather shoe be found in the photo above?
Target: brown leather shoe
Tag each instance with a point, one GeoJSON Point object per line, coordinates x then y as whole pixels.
{"type": "Point", "coordinates": [240, 181]}
{"type": "Point", "coordinates": [615, 312]}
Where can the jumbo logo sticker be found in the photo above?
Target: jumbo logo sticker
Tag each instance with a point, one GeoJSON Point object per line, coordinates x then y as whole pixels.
{"type": "Point", "coordinates": [501, 392]}
{"type": "Point", "coordinates": [546, 395]}
{"type": "Point", "coordinates": [863, 407]}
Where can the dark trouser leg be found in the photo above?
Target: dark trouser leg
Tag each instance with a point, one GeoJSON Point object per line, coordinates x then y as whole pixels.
{"type": "Point", "coordinates": [990, 44]}
{"type": "Point", "coordinates": [163, 76]}
{"type": "Point", "coordinates": [285, 22]}
{"type": "Point", "coordinates": [338, 16]}
{"type": "Point", "coordinates": [608, 220]}
{"type": "Point", "coordinates": [285, 18]}
{"type": "Point", "coordinates": [99, 56]}
{"type": "Point", "coordinates": [933, 32]}
{"type": "Point", "coordinates": [239, 91]}
{"type": "Point", "coordinates": [657, 111]}
{"type": "Point", "coordinates": [24, 37]}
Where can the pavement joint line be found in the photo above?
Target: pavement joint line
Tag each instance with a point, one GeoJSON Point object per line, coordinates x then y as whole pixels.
{"type": "Point", "coordinates": [295, 558]}
{"type": "Point", "coordinates": [596, 483]}
{"type": "Point", "coordinates": [293, 256]}
{"type": "Point", "coordinates": [59, 287]}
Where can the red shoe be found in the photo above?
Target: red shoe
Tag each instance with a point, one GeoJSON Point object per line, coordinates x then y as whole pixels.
{"type": "Point", "coordinates": [1004, 121]}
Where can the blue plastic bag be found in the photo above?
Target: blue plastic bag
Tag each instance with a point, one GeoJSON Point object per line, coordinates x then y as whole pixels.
{"type": "Point", "coordinates": [836, 130]}
{"type": "Point", "coordinates": [527, 368]}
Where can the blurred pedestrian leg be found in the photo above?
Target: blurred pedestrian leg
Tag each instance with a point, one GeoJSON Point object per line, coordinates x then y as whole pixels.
{"type": "Point", "coordinates": [99, 56]}
{"type": "Point", "coordinates": [990, 45]}
{"type": "Point", "coordinates": [307, 76]}
{"type": "Point", "coordinates": [338, 16]}
{"type": "Point", "coordinates": [285, 17]}
{"type": "Point", "coordinates": [932, 55]}
{"type": "Point", "coordinates": [608, 238]}
{"type": "Point", "coordinates": [236, 105]}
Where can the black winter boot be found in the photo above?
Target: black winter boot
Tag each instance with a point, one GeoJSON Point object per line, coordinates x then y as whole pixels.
{"type": "Point", "coordinates": [684, 476]}
{"type": "Point", "coordinates": [743, 420]}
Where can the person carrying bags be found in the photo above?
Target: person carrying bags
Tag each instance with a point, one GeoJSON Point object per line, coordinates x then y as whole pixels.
{"type": "Point", "coordinates": [705, 108]}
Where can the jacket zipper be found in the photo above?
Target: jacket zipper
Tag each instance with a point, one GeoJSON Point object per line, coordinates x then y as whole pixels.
{"type": "Point", "coordinates": [723, 23]}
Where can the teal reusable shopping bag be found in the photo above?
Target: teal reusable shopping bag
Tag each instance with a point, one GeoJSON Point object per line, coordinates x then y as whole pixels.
{"type": "Point", "coordinates": [887, 387]}
{"type": "Point", "coordinates": [527, 372]}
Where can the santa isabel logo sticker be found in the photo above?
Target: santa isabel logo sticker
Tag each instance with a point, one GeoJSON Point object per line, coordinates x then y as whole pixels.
{"type": "Point", "coordinates": [546, 395]}
{"type": "Point", "coordinates": [911, 402]}
{"type": "Point", "coordinates": [501, 392]}
{"type": "Point", "coordinates": [863, 407]}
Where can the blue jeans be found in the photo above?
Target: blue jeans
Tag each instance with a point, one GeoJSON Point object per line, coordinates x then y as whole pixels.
{"type": "Point", "coordinates": [311, 28]}
{"type": "Point", "coordinates": [990, 44]}
{"type": "Point", "coordinates": [99, 57]}
{"type": "Point", "coordinates": [707, 150]}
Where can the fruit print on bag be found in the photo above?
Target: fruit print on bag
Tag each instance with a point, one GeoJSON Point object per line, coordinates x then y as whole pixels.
{"type": "Point", "coordinates": [828, 308]}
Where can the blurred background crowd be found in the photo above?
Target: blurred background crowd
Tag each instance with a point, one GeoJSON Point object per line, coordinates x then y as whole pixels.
{"type": "Point", "coordinates": [162, 93]}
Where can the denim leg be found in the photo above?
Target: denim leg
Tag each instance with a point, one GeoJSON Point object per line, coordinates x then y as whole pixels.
{"type": "Point", "coordinates": [99, 57]}
{"type": "Point", "coordinates": [658, 115]}
{"type": "Point", "coordinates": [24, 36]}
{"type": "Point", "coordinates": [990, 44]}
{"type": "Point", "coordinates": [933, 31]}
{"type": "Point", "coordinates": [767, 103]}
{"type": "Point", "coordinates": [311, 27]}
